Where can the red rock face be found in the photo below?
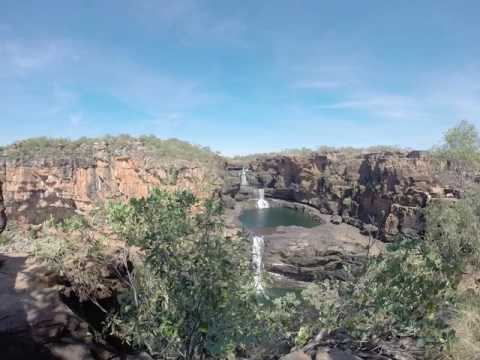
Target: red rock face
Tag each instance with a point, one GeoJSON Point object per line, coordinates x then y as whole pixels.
{"type": "Point", "coordinates": [37, 189]}
{"type": "Point", "coordinates": [386, 189]}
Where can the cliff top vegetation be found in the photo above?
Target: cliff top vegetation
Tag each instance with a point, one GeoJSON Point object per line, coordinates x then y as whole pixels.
{"type": "Point", "coordinates": [45, 147]}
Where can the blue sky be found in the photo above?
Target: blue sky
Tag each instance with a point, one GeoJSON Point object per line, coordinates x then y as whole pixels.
{"type": "Point", "coordinates": [240, 76]}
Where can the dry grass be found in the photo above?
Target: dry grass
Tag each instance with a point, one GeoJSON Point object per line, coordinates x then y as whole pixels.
{"type": "Point", "coordinates": [467, 328]}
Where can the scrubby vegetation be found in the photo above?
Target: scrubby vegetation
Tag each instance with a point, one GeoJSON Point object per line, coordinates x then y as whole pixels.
{"type": "Point", "coordinates": [307, 152]}
{"type": "Point", "coordinates": [458, 157]}
{"type": "Point", "coordinates": [172, 149]}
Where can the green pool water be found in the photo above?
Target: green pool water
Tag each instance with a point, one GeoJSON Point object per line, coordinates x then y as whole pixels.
{"type": "Point", "coordinates": [272, 217]}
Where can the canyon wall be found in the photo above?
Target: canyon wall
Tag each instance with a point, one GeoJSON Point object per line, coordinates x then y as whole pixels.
{"type": "Point", "coordinates": [39, 187]}
{"type": "Point", "coordinates": [385, 189]}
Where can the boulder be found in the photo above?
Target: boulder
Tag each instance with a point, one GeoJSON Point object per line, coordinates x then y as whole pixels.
{"type": "Point", "coordinates": [318, 253]}
{"type": "Point", "coordinates": [336, 220]}
{"type": "Point", "coordinates": [35, 323]}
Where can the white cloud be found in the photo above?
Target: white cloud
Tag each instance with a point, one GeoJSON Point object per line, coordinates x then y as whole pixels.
{"type": "Point", "coordinates": [19, 58]}
{"type": "Point", "coordinates": [190, 20]}
{"type": "Point", "coordinates": [317, 84]}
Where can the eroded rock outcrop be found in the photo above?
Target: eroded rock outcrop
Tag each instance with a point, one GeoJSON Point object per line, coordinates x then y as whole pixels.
{"type": "Point", "coordinates": [319, 253]}
{"type": "Point", "coordinates": [386, 189]}
{"type": "Point", "coordinates": [37, 187]}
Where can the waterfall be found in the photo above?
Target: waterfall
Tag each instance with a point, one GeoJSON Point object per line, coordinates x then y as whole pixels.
{"type": "Point", "coordinates": [257, 258]}
{"type": "Point", "coordinates": [243, 178]}
{"type": "Point", "coordinates": [262, 203]}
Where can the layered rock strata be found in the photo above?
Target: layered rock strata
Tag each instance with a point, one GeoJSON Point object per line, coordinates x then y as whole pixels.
{"type": "Point", "coordinates": [386, 189]}
{"type": "Point", "coordinates": [37, 188]}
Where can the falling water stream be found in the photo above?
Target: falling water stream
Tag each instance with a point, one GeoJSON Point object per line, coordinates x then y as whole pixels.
{"type": "Point", "coordinates": [261, 202]}
{"type": "Point", "coordinates": [257, 258]}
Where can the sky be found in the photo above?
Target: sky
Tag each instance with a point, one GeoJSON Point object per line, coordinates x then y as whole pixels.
{"type": "Point", "coordinates": [240, 76]}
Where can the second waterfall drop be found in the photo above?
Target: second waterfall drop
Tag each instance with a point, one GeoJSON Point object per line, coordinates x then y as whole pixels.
{"type": "Point", "coordinates": [257, 258]}
{"type": "Point", "coordinates": [262, 203]}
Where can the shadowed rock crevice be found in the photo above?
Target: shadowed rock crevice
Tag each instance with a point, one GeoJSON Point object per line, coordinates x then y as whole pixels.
{"type": "Point", "coordinates": [34, 321]}
{"type": "Point", "coordinates": [17, 339]}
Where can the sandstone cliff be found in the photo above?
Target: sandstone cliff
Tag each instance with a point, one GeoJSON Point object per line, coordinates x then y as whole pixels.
{"type": "Point", "coordinates": [38, 185]}
{"type": "Point", "coordinates": [386, 189]}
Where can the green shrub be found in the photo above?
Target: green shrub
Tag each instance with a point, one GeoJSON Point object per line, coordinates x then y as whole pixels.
{"type": "Point", "coordinates": [403, 293]}
{"type": "Point", "coordinates": [458, 158]}
{"type": "Point", "coordinates": [453, 229]}
{"type": "Point", "coordinates": [4, 240]}
{"type": "Point", "coordinates": [193, 296]}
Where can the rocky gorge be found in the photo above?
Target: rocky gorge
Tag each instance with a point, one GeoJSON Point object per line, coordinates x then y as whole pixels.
{"type": "Point", "coordinates": [353, 194]}
{"type": "Point", "coordinates": [385, 189]}
{"type": "Point", "coordinates": [356, 200]}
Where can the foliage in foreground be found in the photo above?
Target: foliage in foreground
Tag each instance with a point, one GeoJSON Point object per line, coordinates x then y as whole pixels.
{"type": "Point", "coordinates": [466, 324]}
{"type": "Point", "coordinates": [72, 249]}
{"type": "Point", "coordinates": [193, 295]}
{"type": "Point", "coordinates": [403, 293]}
{"type": "Point", "coordinates": [453, 229]}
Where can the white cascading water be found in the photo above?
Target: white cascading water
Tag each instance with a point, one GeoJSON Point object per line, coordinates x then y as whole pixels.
{"type": "Point", "coordinates": [257, 258]}
{"type": "Point", "coordinates": [262, 203]}
{"type": "Point", "coordinates": [243, 178]}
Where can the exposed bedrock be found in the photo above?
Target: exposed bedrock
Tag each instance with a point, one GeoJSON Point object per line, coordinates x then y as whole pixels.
{"type": "Point", "coordinates": [36, 188]}
{"type": "Point", "coordinates": [322, 252]}
{"type": "Point", "coordinates": [387, 189]}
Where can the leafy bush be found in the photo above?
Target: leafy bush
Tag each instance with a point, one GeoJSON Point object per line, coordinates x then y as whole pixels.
{"type": "Point", "coordinates": [403, 293]}
{"type": "Point", "coordinates": [453, 229]}
{"type": "Point", "coordinates": [458, 158]}
{"type": "Point", "coordinates": [72, 250]}
{"type": "Point", "coordinates": [193, 295]}
{"type": "Point", "coordinates": [4, 240]}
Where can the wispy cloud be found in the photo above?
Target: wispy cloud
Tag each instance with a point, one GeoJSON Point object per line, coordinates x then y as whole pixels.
{"type": "Point", "coordinates": [191, 21]}
{"type": "Point", "coordinates": [18, 58]}
{"type": "Point", "coordinates": [317, 84]}
{"type": "Point", "coordinates": [388, 106]}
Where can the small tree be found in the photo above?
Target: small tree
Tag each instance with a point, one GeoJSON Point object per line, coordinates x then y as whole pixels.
{"type": "Point", "coordinates": [460, 152]}
{"type": "Point", "coordinates": [453, 228]}
{"type": "Point", "coordinates": [193, 296]}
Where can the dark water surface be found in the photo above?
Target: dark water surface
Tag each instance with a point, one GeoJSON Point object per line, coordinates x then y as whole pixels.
{"type": "Point", "coordinates": [269, 218]}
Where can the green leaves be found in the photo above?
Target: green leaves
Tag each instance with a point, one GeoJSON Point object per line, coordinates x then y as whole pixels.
{"type": "Point", "coordinates": [402, 293]}
{"type": "Point", "coordinates": [459, 155]}
{"type": "Point", "coordinates": [453, 230]}
{"type": "Point", "coordinates": [195, 287]}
